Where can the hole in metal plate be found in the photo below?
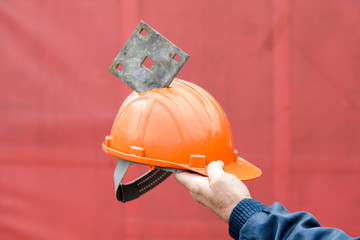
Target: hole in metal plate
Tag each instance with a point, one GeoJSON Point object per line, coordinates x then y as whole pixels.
{"type": "Point", "coordinates": [119, 67]}
{"type": "Point", "coordinates": [143, 32]}
{"type": "Point", "coordinates": [148, 63]}
{"type": "Point", "coordinates": [176, 58]}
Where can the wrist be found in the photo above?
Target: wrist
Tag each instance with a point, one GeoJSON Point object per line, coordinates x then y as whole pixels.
{"type": "Point", "coordinates": [243, 211]}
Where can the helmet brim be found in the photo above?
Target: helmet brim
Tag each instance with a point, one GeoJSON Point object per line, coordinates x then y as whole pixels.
{"type": "Point", "coordinates": [242, 169]}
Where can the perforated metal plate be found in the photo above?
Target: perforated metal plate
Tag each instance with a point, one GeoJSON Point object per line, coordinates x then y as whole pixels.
{"type": "Point", "coordinates": [148, 60]}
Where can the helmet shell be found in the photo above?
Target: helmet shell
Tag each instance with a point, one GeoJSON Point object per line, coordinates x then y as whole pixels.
{"type": "Point", "coordinates": [181, 127]}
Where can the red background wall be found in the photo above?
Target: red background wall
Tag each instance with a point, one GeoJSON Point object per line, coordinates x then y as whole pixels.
{"type": "Point", "coordinates": [286, 72]}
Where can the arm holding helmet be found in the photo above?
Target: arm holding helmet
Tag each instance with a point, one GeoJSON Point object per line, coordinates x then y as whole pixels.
{"type": "Point", "coordinates": [229, 198]}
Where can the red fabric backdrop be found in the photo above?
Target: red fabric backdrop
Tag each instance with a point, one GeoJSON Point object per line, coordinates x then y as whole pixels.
{"type": "Point", "coordinates": [286, 72]}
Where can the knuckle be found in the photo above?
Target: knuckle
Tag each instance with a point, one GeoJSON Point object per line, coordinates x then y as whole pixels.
{"type": "Point", "coordinates": [194, 190]}
{"type": "Point", "coordinates": [195, 197]}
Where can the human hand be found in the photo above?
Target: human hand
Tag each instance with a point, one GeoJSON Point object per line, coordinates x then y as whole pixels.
{"type": "Point", "coordinates": [220, 192]}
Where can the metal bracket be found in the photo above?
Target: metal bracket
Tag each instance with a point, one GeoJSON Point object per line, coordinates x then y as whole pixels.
{"type": "Point", "coordinates": [148, 60]}
{"type": "Point", "coordinates": [120, 171]}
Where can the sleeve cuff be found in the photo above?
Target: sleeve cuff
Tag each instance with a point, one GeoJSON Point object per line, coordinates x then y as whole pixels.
{"type": "Point", "coordinates": [241, 213]}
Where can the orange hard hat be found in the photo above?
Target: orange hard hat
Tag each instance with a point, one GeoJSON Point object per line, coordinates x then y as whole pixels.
{"type": "Point", "coordinates": [180, 127]}
{"type": "Point", "coordinates": [171, 128]}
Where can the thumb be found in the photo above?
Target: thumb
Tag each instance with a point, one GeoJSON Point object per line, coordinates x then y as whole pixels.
{"type": "Point", "coordinates": [215, 170]}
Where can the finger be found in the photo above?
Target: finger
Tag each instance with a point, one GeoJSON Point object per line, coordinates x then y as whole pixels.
{"type": "Point", "coordinates": [198, 185]}
{"type": "Point", "coordinates": [189, 180]}
{"type": "Point", "coordinates": [215, 170]}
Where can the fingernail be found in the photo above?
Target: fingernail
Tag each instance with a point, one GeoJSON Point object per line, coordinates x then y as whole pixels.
{"type": "Point", "coordinates": [221, 163]}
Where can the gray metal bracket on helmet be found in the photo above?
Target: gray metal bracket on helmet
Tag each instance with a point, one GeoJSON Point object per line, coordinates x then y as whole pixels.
{"type": "Point", "coordinates": [147, 45]}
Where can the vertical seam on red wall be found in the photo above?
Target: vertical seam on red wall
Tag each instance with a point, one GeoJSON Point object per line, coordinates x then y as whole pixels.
{"type": "Point", "coordinates": [281, 100]}
{"type": "Point", "coordinates": [129, 17]}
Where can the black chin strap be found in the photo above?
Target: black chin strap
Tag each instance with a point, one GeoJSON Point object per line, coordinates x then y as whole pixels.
{"type": "Point", "coordinates": [129, 191]}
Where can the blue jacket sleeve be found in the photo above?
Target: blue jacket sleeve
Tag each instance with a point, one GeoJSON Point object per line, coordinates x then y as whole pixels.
{"type": "Point", "coordinates": [251, 219]}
